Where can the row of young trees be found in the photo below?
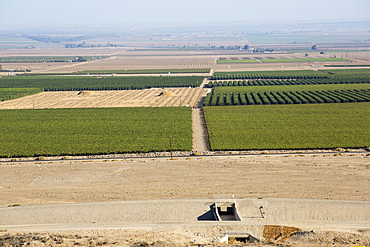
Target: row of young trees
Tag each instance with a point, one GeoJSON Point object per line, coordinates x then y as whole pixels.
{"type": "Point", "coordinates": [289, 97]}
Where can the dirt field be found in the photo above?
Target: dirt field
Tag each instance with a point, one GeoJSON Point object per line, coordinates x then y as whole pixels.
{"type": "Point", "coordinates": [308, 176]}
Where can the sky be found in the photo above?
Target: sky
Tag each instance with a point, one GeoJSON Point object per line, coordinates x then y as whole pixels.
{"type": "Point", "coordinates": [104, 12]}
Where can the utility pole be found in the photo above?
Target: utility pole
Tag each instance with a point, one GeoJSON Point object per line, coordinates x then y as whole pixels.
{"type": "Point", "coordinates": [171, 146]}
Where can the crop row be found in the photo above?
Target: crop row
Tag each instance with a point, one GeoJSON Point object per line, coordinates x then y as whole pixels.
{"type": "Point", "coordinates": [69, 83]}
{"type": "Point", "coordinates": [270, 74]}
{"type": "Point", "coordinates": [289, 97]}
{"type": "Point", "coordinates": [305, 126]}
{"type": "Point", "coordinates": [347, 72]}
{"type": "Point", "coordinates": [279, 82]}
{"type": "Point", "coordinates": [336, 75]}
{"type": "Point", "coordinates": [94, 131]}
{"type": "Point", "coordinates": [14, 93]}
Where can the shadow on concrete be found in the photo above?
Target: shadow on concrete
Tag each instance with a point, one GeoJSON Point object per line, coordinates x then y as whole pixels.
{"type": "Point", "coordinates": [209, 215]}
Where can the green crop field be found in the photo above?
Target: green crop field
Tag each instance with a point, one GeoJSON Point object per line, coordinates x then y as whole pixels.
{"type": "Point", "coordinates": [77, 83]}
{"type": "Point", "coordinates": [288, 94]}
{"type": "Point", "coordinates": [14, 93]}
{"type": "Point", "coordinates": [289, 78]}
{"type": "Point", "coordinates": [93, 131]}
{"type": "Point", "coordinates": [308, 126]}
{"type": "Point", "coordinates": [345, 71]}
{"type": "Point", "coordinates": [284, 88]}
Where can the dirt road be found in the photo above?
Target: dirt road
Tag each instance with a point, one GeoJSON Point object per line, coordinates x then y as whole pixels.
{"type": "Point", "coordinates": [200, 136]}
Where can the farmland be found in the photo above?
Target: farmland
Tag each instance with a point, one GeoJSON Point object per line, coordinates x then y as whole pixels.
{"type": "Point", "coordinates": [77, 83]}
{"type": "Point", "coordinates": [49, 59]}
{"type": "Point", "coordinates": [294, 74]}
{"type": "Point", "coordinates": [291, 80]}
{"type": "Point", "coordinates": [91, 116]}
{"type": "Point", "coordinates": [154, 97]}
{"type": "Point", "coordinates": [13, 93]}
{"type": "Point", "coordinates": [305, 94]}
{"type": "Point", "coordinates": [149, 71]}
{"type": "Point", "coordinates": [283, 60]}
{"type": "Point", "coordinates": [345, 71]}
{"type": "Point", "coordinates": [238, 61]}
{"type": "Point", "coordinates": [93, 131]}
{"type": "Point", "coordinates": [111, 72]}
{"type": "Point", "coordinates": [308, 126]}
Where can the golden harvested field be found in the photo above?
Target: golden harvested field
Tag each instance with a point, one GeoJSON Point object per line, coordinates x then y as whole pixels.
{"type": "Point", "coordinates": [117, 98]}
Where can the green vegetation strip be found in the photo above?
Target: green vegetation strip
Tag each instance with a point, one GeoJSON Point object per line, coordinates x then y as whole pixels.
{"type": "Point", "coordinates": [347, 72]}
{"type": "Point", "coordinates": [288, 126]}
{"type": "Point", "coordinates": [14, 93]}
{"type": "Point", "coordinates": [281, 78]}
{"type": "Point", "coordinates": [272, 82]}
{"type": "Point", "coordinates": [238, 61]}
{"type": "Point", "coordinates": [77, 83]}
{"type": "Point", "coordinates": [93, 131]}
{"type": "Point", "coordinates": [284, 88]}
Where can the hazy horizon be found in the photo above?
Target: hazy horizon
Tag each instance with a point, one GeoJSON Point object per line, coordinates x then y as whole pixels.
{"type": "Point", "coordinates": [165, 12]}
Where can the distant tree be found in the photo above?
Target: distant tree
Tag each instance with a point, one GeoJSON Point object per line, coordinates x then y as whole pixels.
{"type": "Point", "coordinates": [1, 67]}
{"type": "Point", "coordinates": [314, 47]}
{"type": "Point", "coordinates": [246, 47]}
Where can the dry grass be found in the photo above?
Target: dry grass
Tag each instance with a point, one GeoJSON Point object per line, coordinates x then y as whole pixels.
{"type": "Point", "coordinates": [124, 98]}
